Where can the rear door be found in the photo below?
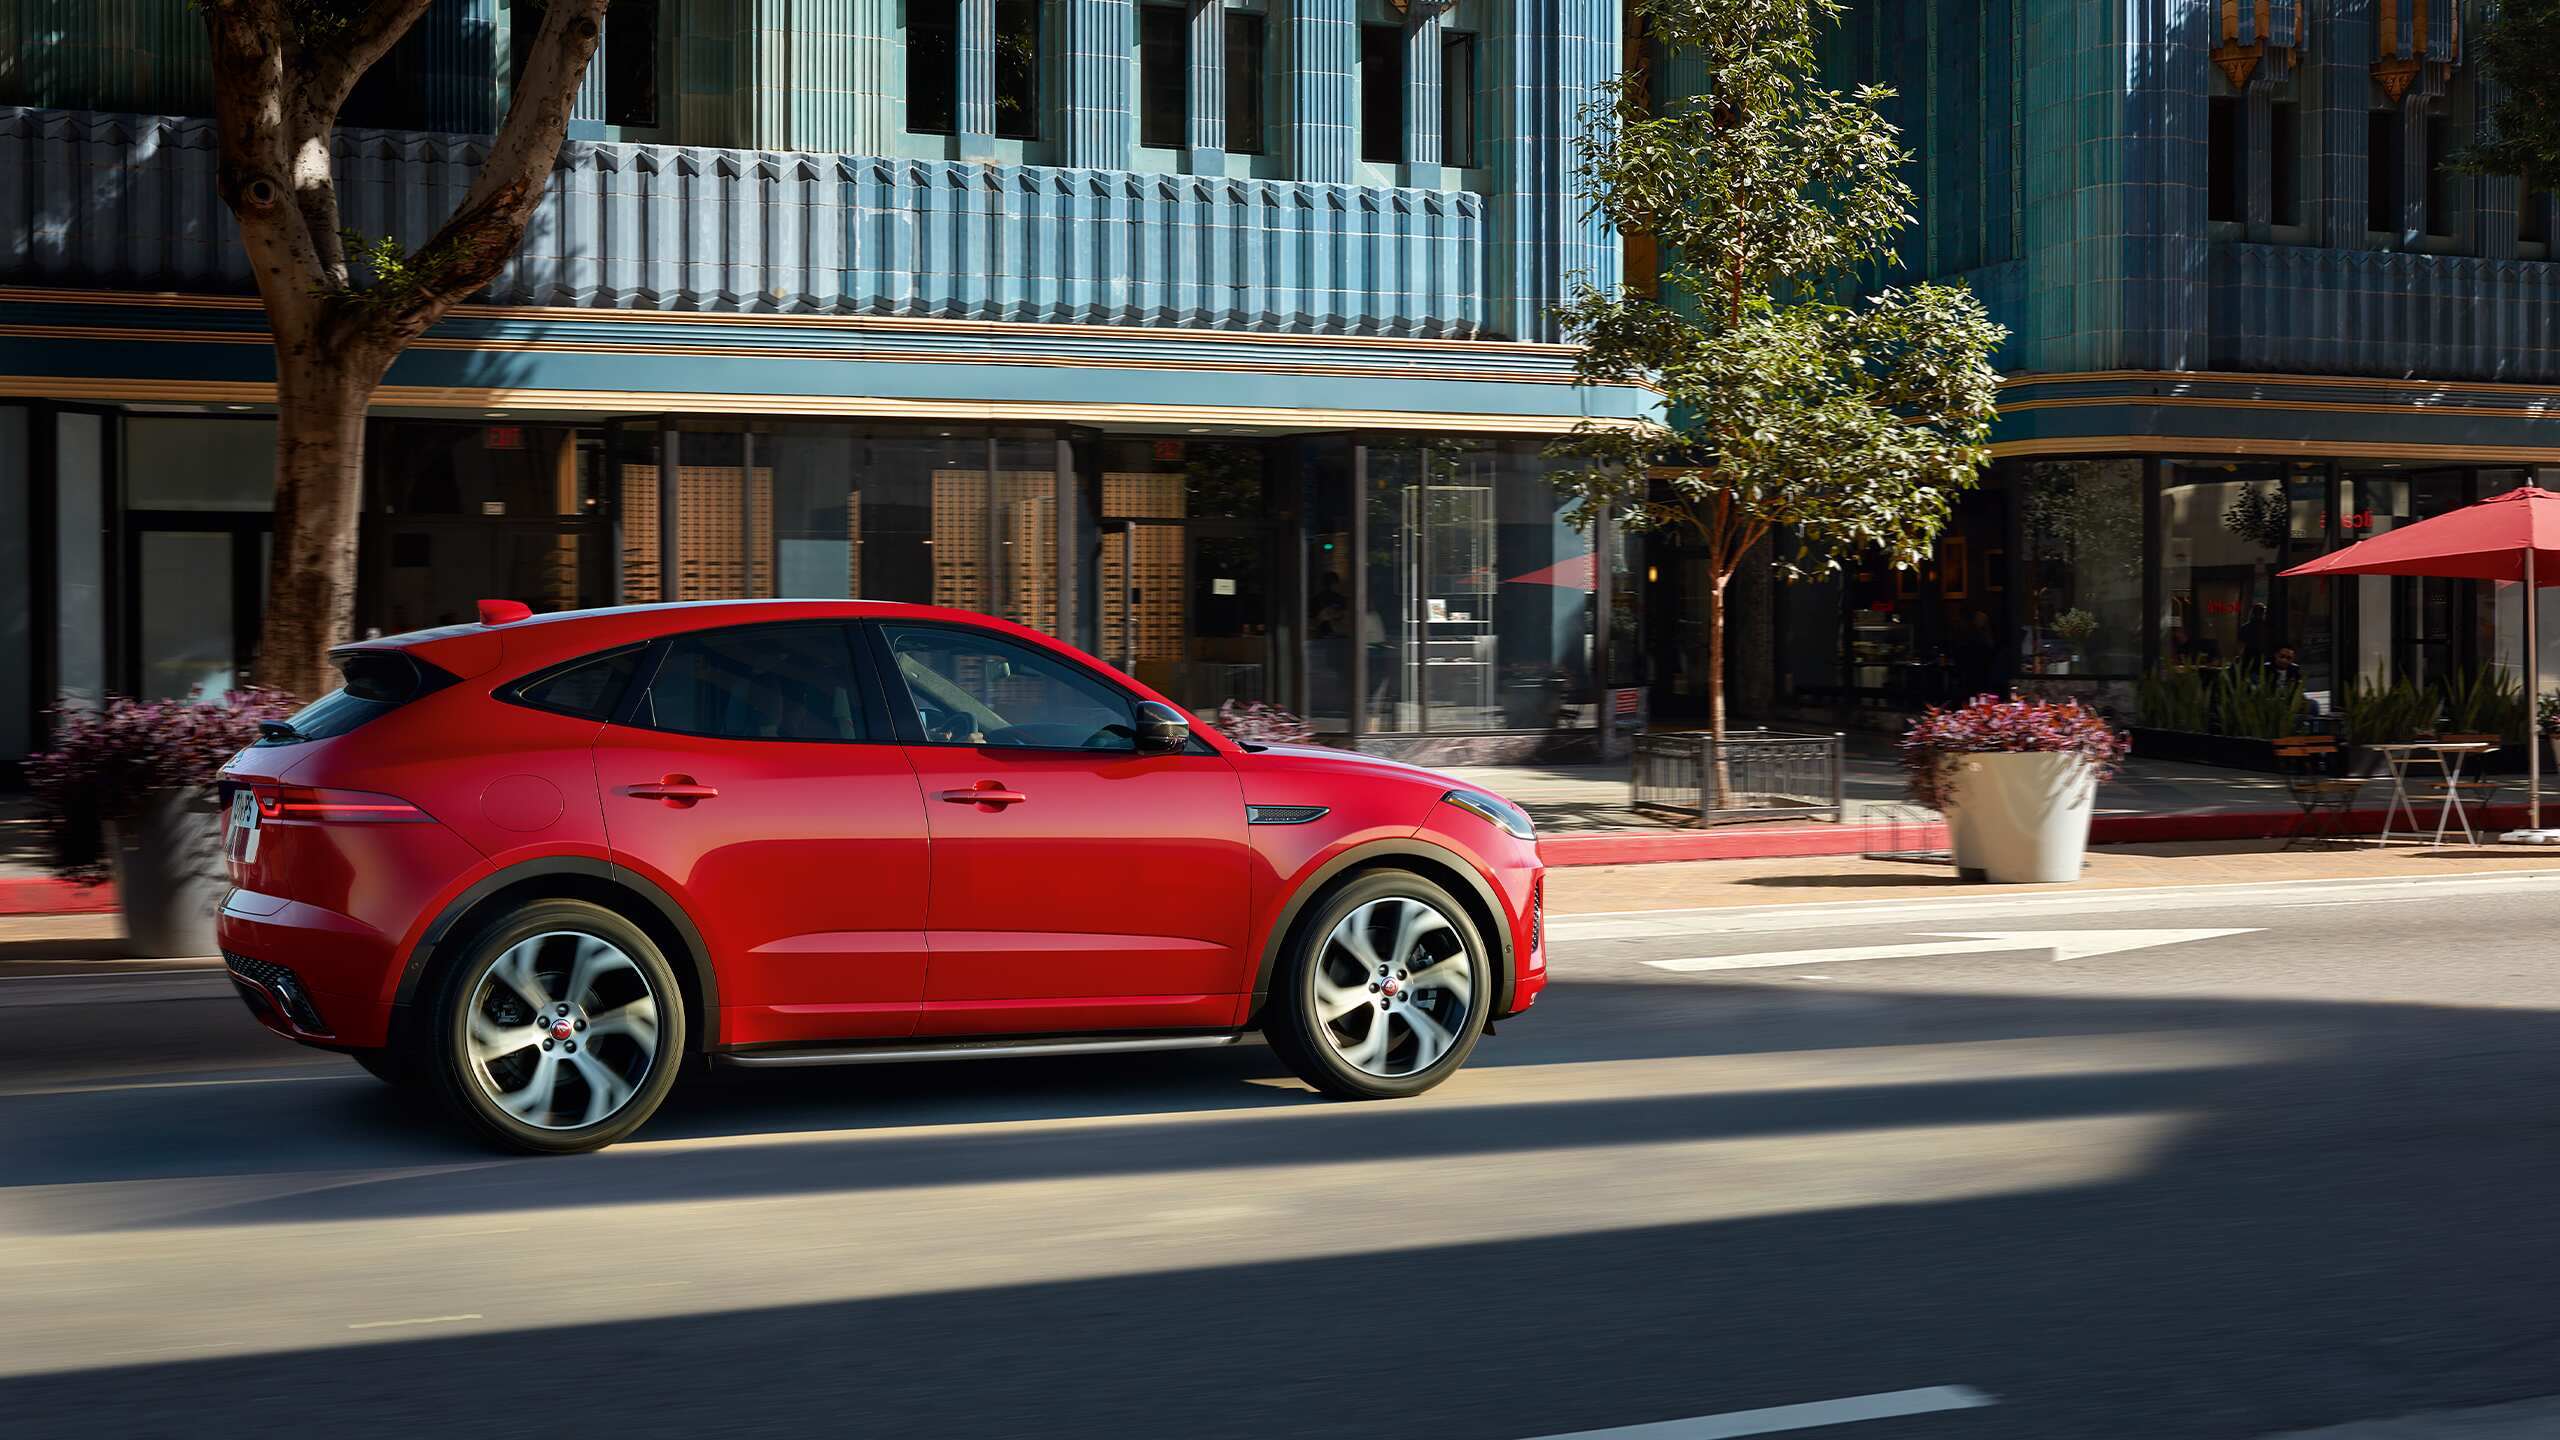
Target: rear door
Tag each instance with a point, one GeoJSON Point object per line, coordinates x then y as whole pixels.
{"type": "Point", "coordinates": [754, 777]}
{"type": "Point", "coordinates": [1093, 887]}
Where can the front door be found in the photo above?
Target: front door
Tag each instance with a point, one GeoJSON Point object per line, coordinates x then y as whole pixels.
{"type": "Point", "coordinates": [1093, 887]}
{"type": "Point", "coordinates": [755, 779]}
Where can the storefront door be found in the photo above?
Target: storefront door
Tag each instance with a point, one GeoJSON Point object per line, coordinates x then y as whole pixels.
{"type": "Point", "coordinates": [1186, 608]}
{"type": "Point", "coordinates": [200, 582]}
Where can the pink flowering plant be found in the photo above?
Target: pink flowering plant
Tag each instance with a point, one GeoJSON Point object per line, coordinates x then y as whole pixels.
{"type": "Point", "coordinates": [109, 765]}
{"type": "Point", "coordinates": [1255, 723]}
{"type": "Point", "coordinates": [1990, 724]}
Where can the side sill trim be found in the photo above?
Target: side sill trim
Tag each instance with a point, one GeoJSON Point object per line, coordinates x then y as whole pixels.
{"type": "Point", "coordinates": [974, 1050]}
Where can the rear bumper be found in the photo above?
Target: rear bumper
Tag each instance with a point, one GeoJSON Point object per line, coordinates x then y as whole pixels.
{"type": "Point", "coordinates": [309, 974]}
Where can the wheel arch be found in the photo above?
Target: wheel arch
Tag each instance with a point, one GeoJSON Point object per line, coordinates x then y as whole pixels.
{"type": "Point", "coordinates": [1442, 867]}
{"type": "Point", "coordinates": [571, 877]}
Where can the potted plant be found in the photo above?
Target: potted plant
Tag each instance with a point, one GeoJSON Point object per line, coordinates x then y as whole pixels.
{"type": "Point", "coordinates": [126, 794]}
{"type": "Point", "coordinates": [2017, 780]}
{"type": "Point", "coordinates": [2074, 628]}
{"type": "Point", "coordinates": [2546, 722]}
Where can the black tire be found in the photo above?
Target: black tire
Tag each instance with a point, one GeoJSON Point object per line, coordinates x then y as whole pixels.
{"type": "Point", "coordinates": [1291, 1019]}
{"type": "Point", "coordinates": [466, 1089]}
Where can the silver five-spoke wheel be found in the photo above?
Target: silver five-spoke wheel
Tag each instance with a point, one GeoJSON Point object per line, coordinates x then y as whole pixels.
{"type": "Point", "coordinates": [563, 1030]}
{"type": "Point", "coordinates": [1393, 986]}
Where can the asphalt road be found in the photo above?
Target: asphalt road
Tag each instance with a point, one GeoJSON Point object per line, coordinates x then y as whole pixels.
{"type": "Point", "coordinates": [2231, 1184]}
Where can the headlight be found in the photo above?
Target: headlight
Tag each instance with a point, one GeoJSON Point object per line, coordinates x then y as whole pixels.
{"type": "Point", "coordinates": [1495, 810]}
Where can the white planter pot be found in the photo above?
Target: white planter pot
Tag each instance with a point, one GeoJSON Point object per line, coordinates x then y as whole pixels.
{"type": "Point", "coordinates": [2025, 817]}
{"type": "Point", "coordinates": [170, 877]}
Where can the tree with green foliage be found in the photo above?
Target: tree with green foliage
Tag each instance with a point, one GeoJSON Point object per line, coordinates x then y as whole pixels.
{"type": "Point", "coordinates": [341, 306]}
{"type": "Point", "coordinates": [2517, 43]}
{"type": "Point", "coordinates": [1793, 404]}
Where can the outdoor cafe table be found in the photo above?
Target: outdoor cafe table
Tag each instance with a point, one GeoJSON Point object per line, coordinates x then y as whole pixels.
{"type": "Point", "coordinates": [2447, 757]}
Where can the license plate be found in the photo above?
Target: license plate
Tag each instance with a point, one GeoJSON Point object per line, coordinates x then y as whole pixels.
{"type": "Point", "coordinates": [244, 826]}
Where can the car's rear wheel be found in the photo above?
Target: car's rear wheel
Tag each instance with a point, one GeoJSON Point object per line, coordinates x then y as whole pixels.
{"type": "Point", "coordinates": [1383, 991]}
{"type": "Point", "coordinates": [559, 1029]}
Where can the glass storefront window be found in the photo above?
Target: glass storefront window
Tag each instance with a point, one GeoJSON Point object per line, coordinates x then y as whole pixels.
{"type": "Point", "coordinates": [2082, 606]}
{"type": "Point", "coordinates": [1482, 592]}
{"type": "Point", "coordinates": [188, 464]}
{"type": "Point", "coordinates": [497, 469]}
{"type": "Point", "coordinates": [1324, 472]}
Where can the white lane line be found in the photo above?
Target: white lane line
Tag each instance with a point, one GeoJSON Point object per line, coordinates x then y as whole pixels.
{"type": "Point", "coordinates": [1887, 1405]}
{"type": "Point", "coordinates": [2061, 945]}
{"type": "Point", "coordinates": [420, 1320]}
{"type": "Point", "coordinates": [177, 1085]}
{"type": "Point", "coordinates": [1847, 914]}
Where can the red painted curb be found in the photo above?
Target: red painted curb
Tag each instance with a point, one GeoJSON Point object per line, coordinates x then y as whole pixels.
{"type": "Point", "coordinates": [44, 895]}
{"type": "Point", "coordinates": [1639, 847]}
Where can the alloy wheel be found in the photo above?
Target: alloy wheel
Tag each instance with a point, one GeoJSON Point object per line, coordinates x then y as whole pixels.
{"type": "Point", "coordinates": [1393, 987]}
{"type": "Point", "coordinates": [563, 1030]}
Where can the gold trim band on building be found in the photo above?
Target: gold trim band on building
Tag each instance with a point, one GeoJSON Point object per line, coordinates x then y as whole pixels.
{"type": "Point", "coordinates": [847, 407]}
{"type": "Point", "coordinates": [2223, 448]}
{"type": "Point", "coordinates": [2247, 377]}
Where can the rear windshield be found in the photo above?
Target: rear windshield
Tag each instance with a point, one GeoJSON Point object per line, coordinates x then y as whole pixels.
{"type": "Point", "coordinates": [377, 683]}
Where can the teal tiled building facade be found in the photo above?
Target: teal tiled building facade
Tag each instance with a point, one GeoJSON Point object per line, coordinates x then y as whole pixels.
{"type": "Point", "coordinates": [1215, 336]}
{"type": "Point", "coordinates": [2255, 314]}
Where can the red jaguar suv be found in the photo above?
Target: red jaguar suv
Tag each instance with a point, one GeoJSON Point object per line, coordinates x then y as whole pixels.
{"type": "Point", "coordinates": [533, 864]}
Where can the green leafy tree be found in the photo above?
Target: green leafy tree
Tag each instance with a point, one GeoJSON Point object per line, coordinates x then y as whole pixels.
{"type": "Point", "coordinates": [1792, 403]}
{"type": "Point", "coordinates": [2516, 44]}
{"type": "Point", "coordinates": [341, 306]}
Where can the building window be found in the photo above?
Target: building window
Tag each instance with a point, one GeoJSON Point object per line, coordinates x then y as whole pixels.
{"type": "Point", "coordinates": [933, 67]}
{"type": "Point", "coordinates": [1245, 35]}
{"type": "Point", "coordinates": [2284, 167]}
{"type": "Point", "coordinates": [2382, 170]}
{"type": "Point", "coordinates": [1164, 76]}
{"type": "Point", "coordinates": [1458, 100]}
{"type": "Point", "coordinates": [2229, 160]}
{"type": "Point", "coordinates": [2440, 199]}
{"type": "Point", "coordinates": [2083, 577]}
{"type": "Point", "coordinates": [1018, 69]}
{"type": "Point", "coordinates": [2533, 222]}
{"type": "Point", "coordinates": [631, 63]}
{"type": "Point", "coordinates": [1382, 94]}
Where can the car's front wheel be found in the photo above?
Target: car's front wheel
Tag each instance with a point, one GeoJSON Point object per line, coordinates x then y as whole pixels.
{"type": "Point", "coordinates": [559, 1029]}
{"type": "Point", "coordinates": [1383, 991]}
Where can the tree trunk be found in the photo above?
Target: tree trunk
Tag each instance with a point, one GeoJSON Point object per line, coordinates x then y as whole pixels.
{"type": "Point", "coordinates": [320, 407]}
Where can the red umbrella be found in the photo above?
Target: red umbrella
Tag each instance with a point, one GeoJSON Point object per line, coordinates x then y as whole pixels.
{"type": "Point", "coordinates": [2515, 536]}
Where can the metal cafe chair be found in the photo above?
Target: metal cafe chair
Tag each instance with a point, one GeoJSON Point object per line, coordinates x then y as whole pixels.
{"type": "Point", "coordinates": [2313, 767]}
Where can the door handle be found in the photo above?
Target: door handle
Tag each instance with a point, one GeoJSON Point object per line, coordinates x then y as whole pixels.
{"type": "Point", "coordinates": [678, 791]}
{"type": "Point", "coordinates": [985, 792]}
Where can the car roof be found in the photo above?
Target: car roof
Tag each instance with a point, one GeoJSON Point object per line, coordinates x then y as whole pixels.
{"type": "Point", "coordinates": [521, 646]}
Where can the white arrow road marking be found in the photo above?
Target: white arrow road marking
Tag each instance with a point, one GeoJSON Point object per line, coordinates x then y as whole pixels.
{"type": "Point", "coordinates": [1814, 1415]}
{"type": "Point", "coordinates": [2065, 945]}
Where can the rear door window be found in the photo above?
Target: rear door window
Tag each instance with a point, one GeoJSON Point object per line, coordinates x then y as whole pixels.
{"type": "Point", "coordinates": [763, 682]}
{"type": "Point", "coordinates": [588, 689]}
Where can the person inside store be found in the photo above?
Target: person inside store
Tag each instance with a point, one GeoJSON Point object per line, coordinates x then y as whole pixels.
{"type": "Point", "coordinates": [2285, 666]}
{"type": "Point", "coordinates": [2254, 634]}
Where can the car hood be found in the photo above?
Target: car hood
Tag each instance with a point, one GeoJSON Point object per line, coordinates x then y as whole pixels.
{"type": "Point", "coordinates": [1295, 756]}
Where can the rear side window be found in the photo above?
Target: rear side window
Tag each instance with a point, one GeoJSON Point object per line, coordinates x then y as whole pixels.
{"type": "Point", "coordinates": [377, 683]}
{"type": "Point", "coordinates": [768, 682]}
{"type": "Point", "coordinates": [588, 688]}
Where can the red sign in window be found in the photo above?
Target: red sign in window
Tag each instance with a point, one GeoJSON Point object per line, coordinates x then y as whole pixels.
{"type": "Point", "coordinates": [501, 437]}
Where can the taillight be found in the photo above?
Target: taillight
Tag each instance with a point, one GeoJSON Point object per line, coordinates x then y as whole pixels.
{"type": "Point", "coordinates": [336, 807]}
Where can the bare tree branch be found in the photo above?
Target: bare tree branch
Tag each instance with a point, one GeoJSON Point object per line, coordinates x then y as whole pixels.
{"type": "Point", "coordinates": [473, 244]}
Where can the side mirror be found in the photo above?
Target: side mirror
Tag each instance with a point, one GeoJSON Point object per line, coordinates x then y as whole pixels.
{"type": "Point", "coordinates": [1161, 728]}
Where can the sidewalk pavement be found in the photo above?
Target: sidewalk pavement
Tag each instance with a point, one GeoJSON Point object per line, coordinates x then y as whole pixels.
{"type": "Point", "coordinates": [46, 940]}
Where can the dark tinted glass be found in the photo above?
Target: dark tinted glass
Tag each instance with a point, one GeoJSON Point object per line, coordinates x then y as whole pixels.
{"type": "Point", "coordinates": [588, 688]}
{"type": "Point", "coordinates": [378, 682]}
{"type": "Point", "coordinates": [631, 62]}
{"type": "Point", "coordinates": [2224, 159]}
{"type": "Point", "coordinates": [2440, 216]}
{"type": "Point", "coordinates": [1164, 76]}
{"type": "Point", "coordinates": [1458, 100]}
{"type": "Point", "coordinates": [777, 682]}
{"type": "Point", "coordinates": [974, 689]}
{"type": "Point", "coordinates": [1018, 69]}
{"type": "Point", "coordinates": [1382, 94]}
{"type": "Point", "coordinates": [932, 67]}
{"type": "Point", "coordinates": [2284, 143]}
{"type": "Point", "coordinates": [2382, 170]}
{"type": "Point", "coordinates": [2533, 219]}
{"type": "Point", "coordinates": [1245, 34]}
